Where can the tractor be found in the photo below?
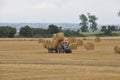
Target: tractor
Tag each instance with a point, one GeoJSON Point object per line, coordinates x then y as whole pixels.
{"type": "Point", "coordinates": [62, 47]}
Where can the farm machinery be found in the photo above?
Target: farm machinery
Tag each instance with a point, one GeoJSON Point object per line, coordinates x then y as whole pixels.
{"type": "Point", "coordinates": [57, 44]}
{"type": "Point", "coordinates": [61, 47]}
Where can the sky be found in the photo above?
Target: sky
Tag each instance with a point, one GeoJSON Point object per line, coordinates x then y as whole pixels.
{"type": "Point", "coordinates": [58, 11]}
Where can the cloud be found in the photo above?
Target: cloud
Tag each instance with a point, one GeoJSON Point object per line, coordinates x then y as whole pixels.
{"type": "Point", "coordinates": [44, 5]}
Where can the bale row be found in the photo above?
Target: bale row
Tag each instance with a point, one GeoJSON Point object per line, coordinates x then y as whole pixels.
{"type": "Point", "coordinates": [50, 43]}
{"type": "Point", "coordinates": [72, 40]}
{"type": "Point", "coordinates": [73, 46]}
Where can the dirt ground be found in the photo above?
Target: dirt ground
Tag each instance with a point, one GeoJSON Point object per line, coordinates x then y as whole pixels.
{"type": "Point", "coordinates": [28, 60]}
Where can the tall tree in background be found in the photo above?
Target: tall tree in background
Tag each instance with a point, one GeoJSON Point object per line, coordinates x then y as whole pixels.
{"type": "Point", "coordinates": [119, 13]}
{"type": "Point", "coordinates": [84, 23]}
{"type": "Point", "coordinates": [92, 22]}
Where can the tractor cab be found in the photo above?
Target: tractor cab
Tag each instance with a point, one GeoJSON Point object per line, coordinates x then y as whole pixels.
{"type": "Point", "coordinates": [64, 47]}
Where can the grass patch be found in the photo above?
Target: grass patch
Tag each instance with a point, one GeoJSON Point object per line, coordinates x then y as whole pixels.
{"type": "Point", "coordinates": [89, 34]}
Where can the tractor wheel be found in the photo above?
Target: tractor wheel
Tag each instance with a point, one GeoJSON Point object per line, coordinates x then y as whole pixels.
{"type": "Point", "coordinates": [50, 51]}
{"type": "Point", "coordinates": [68, 50]}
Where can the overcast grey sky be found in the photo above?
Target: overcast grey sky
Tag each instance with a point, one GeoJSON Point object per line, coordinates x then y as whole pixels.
{"type": "Point", "coordinates": [57, 11]}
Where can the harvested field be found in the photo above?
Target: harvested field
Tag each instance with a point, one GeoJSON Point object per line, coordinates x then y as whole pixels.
{"type": "Point", "coordinates": [26, 59]}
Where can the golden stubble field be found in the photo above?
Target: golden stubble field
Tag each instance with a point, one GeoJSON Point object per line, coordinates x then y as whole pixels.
{"type": "Point", "coordinates": [28, 60]}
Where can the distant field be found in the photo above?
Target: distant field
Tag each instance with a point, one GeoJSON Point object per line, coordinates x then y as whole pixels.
{"type": "Point", "coordinates": [99, 33]}
{"type": "Point", "coordinates": [26, 59]}
{"type": "Point", "coordinates": [117, 32]}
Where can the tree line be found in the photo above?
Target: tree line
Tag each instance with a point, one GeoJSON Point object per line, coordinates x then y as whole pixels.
{"type": "Point", "coordinates": [27, 31]}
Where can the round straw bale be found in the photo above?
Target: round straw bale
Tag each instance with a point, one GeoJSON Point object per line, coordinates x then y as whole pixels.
{"type": "Point", "coordinates": [49, 43]}
{"type": "Point", "coordinates": [60, 36]}
{"type": "Point", "coordinates": [72, 40]}
{"type": "Point", "coordinates": [79, 42]}
{"type": "Point", "coordinates": [97, 39]}
{"type": "Point", "coordinates": [84, 38]}
{"type": "Point", "coordinates": [73, 46]}
{"type": "Point", "coordinates": [65, 39]}
{"type": "Point", "coordinates": [54, 44]}
{"type": "Point", "coordinates": [44, 43]}
{"type": "Point", "coordinates": [117, 49]}
{"type": "Point", "coordinates": [40, 40]}
{"type": "Point", "coordinates": [89, 46]}
{"type": "Point", "coordinates": [54, 36]}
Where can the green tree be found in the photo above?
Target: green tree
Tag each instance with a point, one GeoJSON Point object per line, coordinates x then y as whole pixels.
{"type": "Point", "coordinates": [103, 28]}
{"type": "Point", "coordinates": [53, 29]}
{"type": "Point", "coordinates": [112, 27]}
{"type": "Point", "coordinates": [12, 32]}
{"type": "Point", "coordinates": [7, 31]}
{"type": "Point", "coordinates": [108, 32]}
{"type": "Point", "coordinates": [4, 32]}
{"type": "Point", "coordinates": [25, 31]}
{"type": "Point", "coordinates": [84, 23]}
{"type": "Point", "coordinates": [39, 32]}
{"type": "Point", "coordinates": [92, 21]}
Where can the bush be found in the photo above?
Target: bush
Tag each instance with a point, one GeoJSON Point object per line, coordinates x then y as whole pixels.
{"type": "Point", "coordinates": [72, 33]}
{"type": "Point", "coordinates": [108, 32]}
